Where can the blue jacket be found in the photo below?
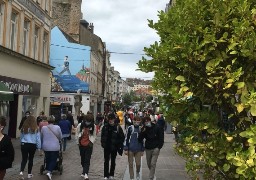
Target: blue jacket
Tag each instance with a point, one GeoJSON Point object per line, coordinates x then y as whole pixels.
{"type": "Point", "coordinates": [33, 138]}
{"type": "Point", "coordinates": [131, 142]}
{"type": "Point", "coordinates": [65, 126]}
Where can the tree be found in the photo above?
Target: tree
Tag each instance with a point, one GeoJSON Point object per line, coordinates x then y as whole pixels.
{"type": "Point", "coordinates": [206, 56]}
{"type": "Point", "coordinates": [127, 99]}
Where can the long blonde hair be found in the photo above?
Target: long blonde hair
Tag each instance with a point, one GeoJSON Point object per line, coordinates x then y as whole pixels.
{"type": "Point", "coordinates": [30, 125]}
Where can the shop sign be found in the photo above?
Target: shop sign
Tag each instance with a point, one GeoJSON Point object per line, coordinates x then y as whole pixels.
{"type": "Point", "coordinates": [21, 86]}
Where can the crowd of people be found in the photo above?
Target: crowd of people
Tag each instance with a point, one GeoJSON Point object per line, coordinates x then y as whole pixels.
{"type": "Point", "coordinates": [143, 132]}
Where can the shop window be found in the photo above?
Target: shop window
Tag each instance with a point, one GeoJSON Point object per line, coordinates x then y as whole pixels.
{"type": "Point", "coordinates": [29, 104]}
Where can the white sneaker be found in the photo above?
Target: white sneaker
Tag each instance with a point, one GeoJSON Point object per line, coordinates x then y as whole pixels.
{"type": "Point", "coordinates": [86, 176]}
{"type": "Point", "coordinates": [21, 175]}
{"type": "Point", "coordinates": [49, 176]}
{"type": "Point", "coordinates": [111, 177]}
{"type": "Point", "coordinates": [105, 178]}
{"type": "Point", "coordinates": [137, 176]}
{"type": "Point", "coordinates": [30, 176]}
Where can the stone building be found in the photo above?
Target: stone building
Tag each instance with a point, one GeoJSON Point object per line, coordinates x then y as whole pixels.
{"type": "Point", "coordinates": [24, 55]}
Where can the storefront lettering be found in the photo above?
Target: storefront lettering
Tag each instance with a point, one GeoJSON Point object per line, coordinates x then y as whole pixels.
{"type": "Point", "coordinates": [64, 99]}
{"type": "Point", "coordinates": [17, 87]}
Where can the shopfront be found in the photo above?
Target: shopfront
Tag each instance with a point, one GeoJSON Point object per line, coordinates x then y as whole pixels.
{"type": "Point", "coordinates": [16, 96]}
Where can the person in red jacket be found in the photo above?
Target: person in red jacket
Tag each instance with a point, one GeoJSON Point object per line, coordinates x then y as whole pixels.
{"type": "Point", "coordinates": [6, 150]}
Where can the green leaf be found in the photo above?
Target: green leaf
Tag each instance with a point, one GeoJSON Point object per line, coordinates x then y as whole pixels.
{"type": "Point", "coordinates": [241, 169]}
{"type": "Point", "coordinates": [226, 167]}
{"type": "Point", "coordinates": [180, 78]}
{"type": "Point", "coordinates": [252, 140]}
{"type": "Point", "coordinates": [253, 109]}
{"type": "Point", "coordinates": [233, 52]}
{"type": "Point", "coordinates": [213, 163]}
{"type": "Point", "coordinates": [240, 85]}
{"type": "Point", "coordinates": [239, 107]}
{"type": "Point", "coordinates": [250, 162]}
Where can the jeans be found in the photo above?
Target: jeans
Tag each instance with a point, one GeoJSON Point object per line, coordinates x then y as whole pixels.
{"type": "Point", "coordinates": [86, 153]}
{"type": "Point", "coordinates": [151, 156]}
{"type": "Point", "coordinates": [64, 141]}
{"type": "Point", "coordinates": [51, 160]}
{"type": "Point", "coordinates": [108, 154]}
{"type": "Point", "coordinates": [27, 151]}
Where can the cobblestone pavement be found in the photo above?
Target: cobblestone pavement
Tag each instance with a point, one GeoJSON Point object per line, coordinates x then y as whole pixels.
{"type": "Point", "coordinates": [71, 164]}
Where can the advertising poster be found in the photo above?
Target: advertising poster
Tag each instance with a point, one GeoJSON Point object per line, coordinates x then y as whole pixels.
{"type": "Point", "coordinates": [71, 62]}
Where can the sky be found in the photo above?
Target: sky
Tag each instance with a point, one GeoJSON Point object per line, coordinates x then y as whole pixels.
{"type": "Point", "coordinates": [123, 26]}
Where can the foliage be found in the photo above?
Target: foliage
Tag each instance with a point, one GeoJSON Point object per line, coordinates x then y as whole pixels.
{"type": "Point", "coordinates": [206, 56]}
{"type": "Point", "coordinates": [127, 99]}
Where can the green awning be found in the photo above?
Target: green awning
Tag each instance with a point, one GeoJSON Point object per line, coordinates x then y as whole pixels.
{"type": "Point", "coordinates": [5, 93]}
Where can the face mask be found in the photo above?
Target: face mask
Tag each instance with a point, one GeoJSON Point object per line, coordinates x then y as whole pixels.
{"type": "Point", "coordinates": [87, 123]}
{"type": "Point", "coordinates": [148, 124]}
{"type": "Point", "coordinates": [27, 115]}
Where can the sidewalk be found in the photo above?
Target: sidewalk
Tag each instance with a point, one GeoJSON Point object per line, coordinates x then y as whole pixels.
{"type": "Point", "coordinates": [169, 164]}
{"type": "Point", "coordinates": [71, 164]}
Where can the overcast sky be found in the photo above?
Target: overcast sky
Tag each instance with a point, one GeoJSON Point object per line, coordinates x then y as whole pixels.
{"type": "Point", "coordinates": [124, 27]}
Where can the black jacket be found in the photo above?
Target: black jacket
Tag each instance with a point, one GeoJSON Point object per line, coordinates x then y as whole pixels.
{"type": "Point", "coordinates": [112, 137]}
{"type": "Point", "coordinates": [22, 122]}
{"type": "Point", "coordinates": [154, 136]}
{"type": "Point", "coordinates": [6, 153]}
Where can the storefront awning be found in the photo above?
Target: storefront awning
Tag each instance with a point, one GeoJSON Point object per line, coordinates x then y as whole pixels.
{"type": "Point", "coordinates": [5, 93]}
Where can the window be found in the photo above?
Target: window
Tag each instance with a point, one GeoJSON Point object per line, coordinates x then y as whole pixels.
{"type": "Point", "coordinates": [36, 42]}
{"type": "Point", "coordinates": [1, 22]}
{"type": "Point", "coordinates": [13, 31]}
{"type": "Point", "coordinates": [26, 37]}
{"type": "Point", "coordinates": [45, 47]}
{"type": "Point", "coordinates": [47, 5]}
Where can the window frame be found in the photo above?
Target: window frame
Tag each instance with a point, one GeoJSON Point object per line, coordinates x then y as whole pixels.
{"type": "Point", "coordinates": [36, 40]}
{"type": "Point", "coordinates": [13, 39]}
{"type": "Point", "coordinates": [2, 20]}
{"type": "Point", "coordinates": [26, 36]}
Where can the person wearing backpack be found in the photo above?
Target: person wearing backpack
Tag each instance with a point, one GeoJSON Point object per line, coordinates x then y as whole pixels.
{"type": "Point", "coordinates": [112, 138]}
{"type": "Point", "coordinates": [133, 148]}
{"type": "Point", "coordinates": [85, 137]}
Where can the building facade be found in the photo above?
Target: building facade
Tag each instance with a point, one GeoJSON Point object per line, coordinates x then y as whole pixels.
{"type": "Point", "coordinates": [24, 56]}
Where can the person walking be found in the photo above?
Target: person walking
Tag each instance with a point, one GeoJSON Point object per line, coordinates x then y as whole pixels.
{"type": "Point", "coordinates": [112, 138]}
{"type": "Point", "coordinates": [154, 136]}
{"type": "Point", "coordinates": [85, 137]}
{"type": "Point", "coordinates": [23, 119]}
{"type": "Point", "coordinates": [30, 141]}
{"type": "Point", "coordinates": [133, 148]}
{"type": "Point", "coordinates": [6, 149]}
{"type": "Point", "coordinates": [40, 117]}
{"type": "Point", "coordinates": [65, 127]}
{"type": "Point", "coordinates": [70, 118]}
{"type": "Point", "coordinates": [51, 135]}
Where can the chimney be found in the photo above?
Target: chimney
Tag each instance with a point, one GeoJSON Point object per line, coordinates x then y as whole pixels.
{"type": "Point", "coordinates": [91, 27]}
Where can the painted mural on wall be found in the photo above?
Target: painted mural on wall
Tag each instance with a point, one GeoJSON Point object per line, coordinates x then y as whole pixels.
{"type": "Point", "coordinates": [71, 62]}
